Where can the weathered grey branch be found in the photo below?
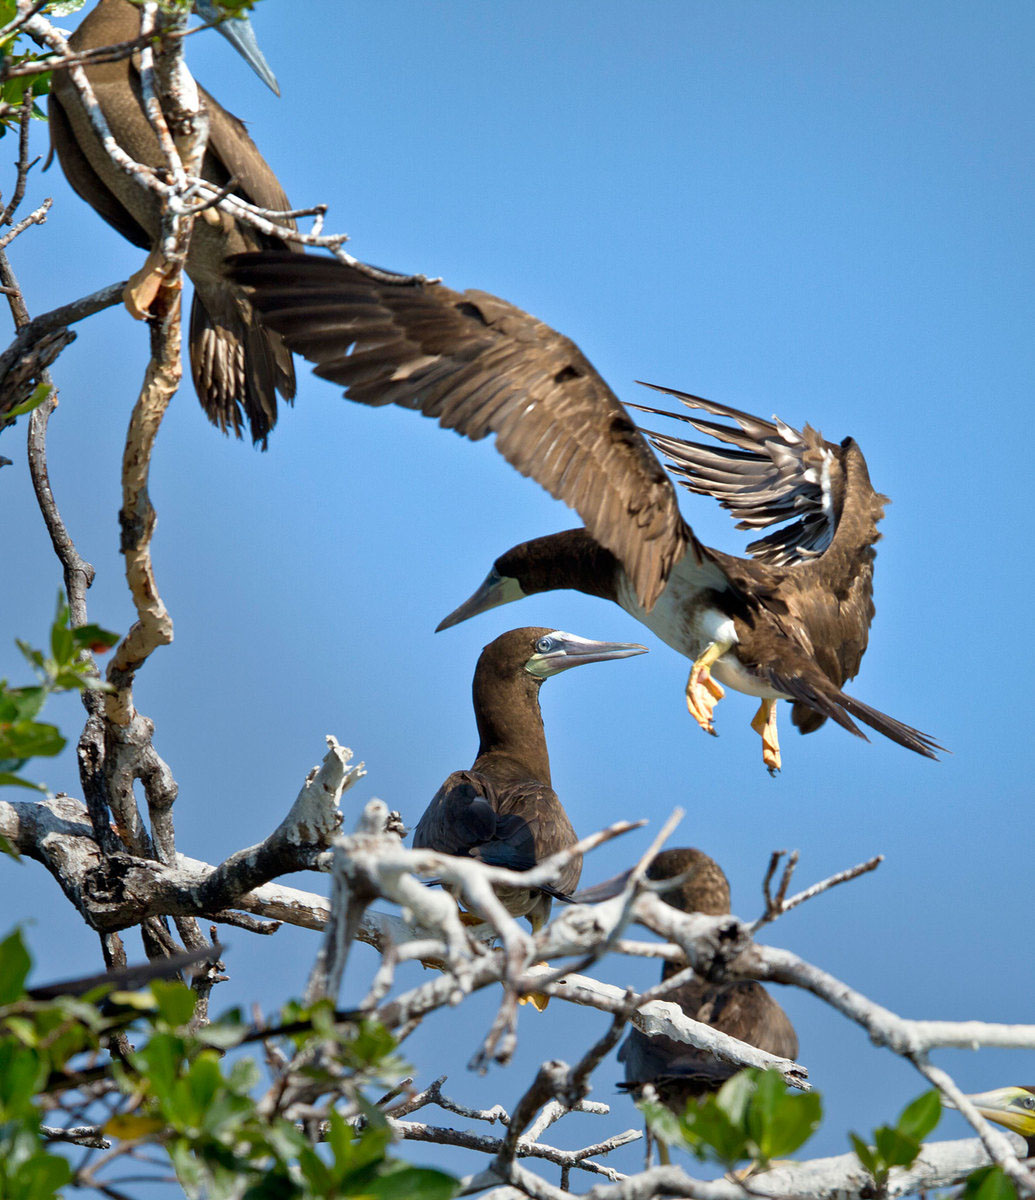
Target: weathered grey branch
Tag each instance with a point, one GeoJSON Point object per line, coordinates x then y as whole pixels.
{"type": "Point", "coordinates": [58, 320]}
{"type": "Point", "coordinates": [778, 905]}
{"type": "Point", "coordinates": [187, 192]}
{"type": "Point", "coordinates": [308, 829]}
{"type": "Point", "coordinates": [524, 1147]}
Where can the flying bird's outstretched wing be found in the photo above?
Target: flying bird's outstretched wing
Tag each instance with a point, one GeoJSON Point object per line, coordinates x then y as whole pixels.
{"type": "Point", "coordinates": [480, 365]}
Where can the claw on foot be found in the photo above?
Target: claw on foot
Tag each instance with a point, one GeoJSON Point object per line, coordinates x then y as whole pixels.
{"type": "Point", "coordinates": [539, 1000]}
{"type": "Point", "coordinates": [142, 286]}
{"type": "Point", "coordinates": [702, 694]}
{"type": "Point", "coordinates": [764, 724]}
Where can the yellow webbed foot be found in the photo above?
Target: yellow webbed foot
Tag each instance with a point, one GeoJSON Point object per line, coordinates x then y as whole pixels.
{"type": "Point", "coordinates": [764, 723]}
{"type": "Point", "coordinates": [702, 692]}
{"type": "Point", "coordinates": [539, 1000]}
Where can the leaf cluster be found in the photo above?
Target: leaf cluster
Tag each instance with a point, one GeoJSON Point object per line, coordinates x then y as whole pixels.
{"type": "Point", "coordinates": [14, 88]}
{"type": "Point", "coordinates": [898, 1145]}
{"type": "Point", "coordinates": [66, 668]}
{"type": "Point", "coordinates": [752, 1116]}
{"type": "Point", "coordinates": [988, 1183]}
{"type": "Point", "coordinates": [179, 1093]}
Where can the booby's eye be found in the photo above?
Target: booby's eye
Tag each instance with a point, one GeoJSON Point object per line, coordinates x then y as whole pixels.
{"type": "Point", "coordinates": [1027, 1102]}
{"type": "Point", "coordinates": [544, 645]}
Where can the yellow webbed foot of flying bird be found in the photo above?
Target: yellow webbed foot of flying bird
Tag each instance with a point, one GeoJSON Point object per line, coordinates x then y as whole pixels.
{"type": "Point", "coordinates": [764, 724]}
{"type": "Point", "coordinates": [702, 692]}
{"type": "Point", "coordinates": [142, 286]}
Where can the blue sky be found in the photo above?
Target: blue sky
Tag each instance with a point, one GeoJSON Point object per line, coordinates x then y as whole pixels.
{"type": "Point", "coordinates": [819, 210]}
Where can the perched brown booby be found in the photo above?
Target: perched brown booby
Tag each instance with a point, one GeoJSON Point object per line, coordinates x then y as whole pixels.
{"type": "Point", "coordinates": [790, 623]}
{"type": "Point", "coordinates": [237, 364]}
{"type": "Point", "coordinates": [744, 1010]}
{"type": "Point", "coordinates": [1013, 1107]}
{"type": "Point", "coordinates": [504, 810]}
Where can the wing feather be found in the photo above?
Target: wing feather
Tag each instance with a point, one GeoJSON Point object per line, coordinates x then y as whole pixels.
{"type": "Point", "coordinates": [480, 365]}
{"type": "Point", "coordinates": [774, 473]}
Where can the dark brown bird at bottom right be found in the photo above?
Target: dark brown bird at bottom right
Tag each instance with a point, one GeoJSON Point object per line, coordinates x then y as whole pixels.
{"type": "Point", "coordinates": [677, 1071]}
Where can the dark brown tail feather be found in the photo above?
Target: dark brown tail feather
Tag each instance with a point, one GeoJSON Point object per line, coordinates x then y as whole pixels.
{"type": "Point", "coordinates": [238, 366]}
{"type": "Point", "coordinates": [905, 735]}
{"type": "Point", "coordinates": [830, 702]}
{"type": "Point", "coordinates": [806, 718]}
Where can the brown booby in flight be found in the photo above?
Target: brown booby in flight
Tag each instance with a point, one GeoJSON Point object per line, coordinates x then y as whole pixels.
{"type": "Point", "coordinates": [789, 623]}
{"type": "Point", "coordinates": [679, 1072]}
{"type": "Point", "coordinates": [237, 364]}
{"type": "Point", "coordinates": [504, 810]}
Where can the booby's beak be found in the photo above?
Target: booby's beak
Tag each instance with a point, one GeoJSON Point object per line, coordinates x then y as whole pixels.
{"type": "Point", "coordinates": [1013, 1107]}
{"type": "Point", "coordinates": [495, 590]}
{"type": "Point", "coordinates": [239, 33]}
{"type": "Point", "coordinates": [557, 651]}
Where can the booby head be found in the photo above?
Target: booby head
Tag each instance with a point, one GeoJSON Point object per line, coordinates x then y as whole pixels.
{"type": "Point", "coordinates": [555, 651]}
{"type": "Point", "coordinates": [239, 33]}
{"type": "Point", "coordinates": [494, 590]}
{"type": "Point", "coordinates": [1013, 1107]}
{"type": "Point", "coordinates": [699, 883]}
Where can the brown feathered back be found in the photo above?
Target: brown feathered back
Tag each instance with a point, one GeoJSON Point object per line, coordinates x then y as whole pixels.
{"type": "Point", "coordinates": [237, 365]}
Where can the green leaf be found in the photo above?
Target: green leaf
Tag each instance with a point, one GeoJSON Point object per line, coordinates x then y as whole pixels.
{"type": "Point", "coordinates": [62, 643]}
{"type": "Point", "coordinates": [989, 1183]}
{"type": "Point", "coordinates": [920, 1116]}
{"type": "Point", "coordinates": [5, 845]}
{"type": "Point", "coordinates": [43, 1175]}
{"type": "Point", "coordinates": [21, 704]}
{"type": "Point", "coordinates": [175, 1001]}
{"type": "Point", "coordinates": [403, 1182]}
{"type": "Point", "coordinates": [221, 1036]}
{"type": "Point", "coordinates": [142, 1001]}
{"type": "Point", "coordinates": [34, 656]}
{"type": "Point", "coordinates": [865, 1154]}
{"type": "Point", "coordinates": [707, 1125]}
{"type": "Point", "coordinates": [734, 1095]}
{"type": "Point", "coordinates": [42, 390]}
{"type": "Point", "coordinates": [205, 1081]}
{"type": "Point", "coordinates": [30, 739]}
{"type": "Point", "coordinates": [21, 1074]}
{"type": "Point", "coordinates": [14, 967]}
{"type": "Point", "coordinates": [244, 1076]}
{"type": "Point", "coordinates": [662, 1123]}
{"type": "Point", "coordinates": [791, 1124]}
{"type": "Point", "coordinates": [93, 637]}
{"type": "Point", "coordinates": [895, 1148]}
{"type": "Point", "coordinates": [9, 780]}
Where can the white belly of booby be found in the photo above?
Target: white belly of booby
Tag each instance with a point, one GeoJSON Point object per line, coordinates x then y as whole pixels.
{"type": "Point", "coordinates": [685, 621]}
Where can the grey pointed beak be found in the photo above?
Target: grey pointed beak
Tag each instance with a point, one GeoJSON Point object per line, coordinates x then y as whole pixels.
{"type": "Point", "coordinates": [569, 650]}
{"type": "Point", "coordinates": [239, 33]}
{"type": "Point", "coordinates": [496, 589]}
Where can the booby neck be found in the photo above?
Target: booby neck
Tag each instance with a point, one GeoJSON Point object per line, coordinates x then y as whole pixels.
{"type": "Point", "coordinates": [571, 559]}
{"type": "Point", "coordinates": [512, 741]}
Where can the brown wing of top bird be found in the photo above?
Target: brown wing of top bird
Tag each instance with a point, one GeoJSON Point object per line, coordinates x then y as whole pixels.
{"type": "Point", "coordinates": [790, 623]}
{"type": "Point", "coordinates": [504, 810]}
{"type": "Point", "coordinates": [744, 1010]}
{"type": "Point", "coordinates": [237, 363]}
